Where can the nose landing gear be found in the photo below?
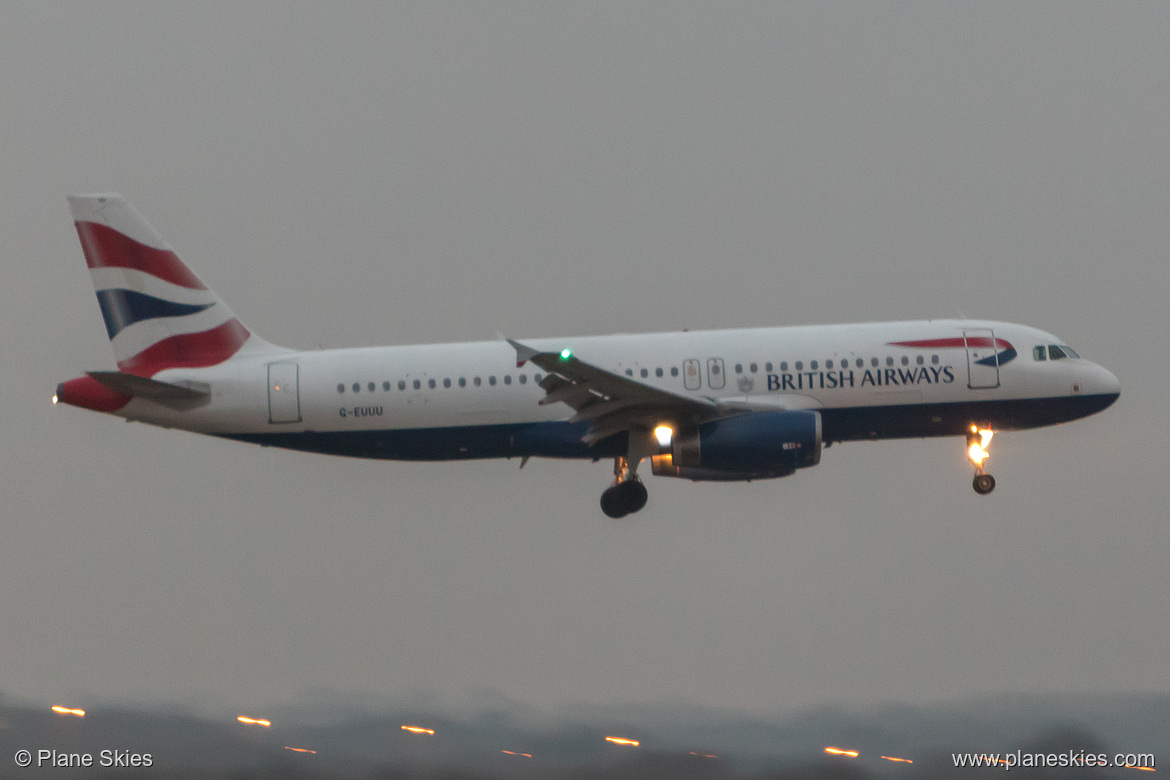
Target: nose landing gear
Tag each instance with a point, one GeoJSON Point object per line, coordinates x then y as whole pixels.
{"type": "Point", "coordinates": [977, 441]}
{"type": "Point", "coordinates": [628, 494]}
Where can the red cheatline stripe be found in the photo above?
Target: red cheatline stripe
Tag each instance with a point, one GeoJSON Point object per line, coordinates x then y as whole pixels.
{"type": "Point", "coordinates": [105, 247]}
{"type": "Point", "coordinates": [974, 341]}
{"type": "Point", "coordinates": [189, 350]}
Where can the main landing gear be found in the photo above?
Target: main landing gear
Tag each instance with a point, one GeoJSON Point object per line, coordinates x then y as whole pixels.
{"type": "Point", "coordinates": [977, 441]}
{"type": "Point", "coordinates": [628, 494]}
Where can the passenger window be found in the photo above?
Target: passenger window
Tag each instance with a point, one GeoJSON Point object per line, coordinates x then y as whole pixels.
{"type": "Point", "coordinates": [492, 381]}
{"type": "Point", "coordinates": [536, 378]}
{"type": "Point", "coordinates": [446, 383]}
{"type": "Point", "coordinates": [340, 389]}
{"type": "Point", "coordinates": [905, 360]}
{"type": "Point", "coordinates": [1040, 353]}
{"type": "Point", "coordinates": [934, 359]}
{"type": "Point", "coordinates": [799, 365]}
{"type": "Point", "coordinates": [829, 364]}
{"type": "Point", "coordinates": [401, 384]}
{"type": "Point", "coordinates": [507, 379]}
{"type": "Point", "coordinates": [524, 379]}
{"type": "Point", "coordinates": [658, 372]}
{"type": "Point", "coordinates": [674, 370]}
{"type": "Point", "coordinates": [813, 365]}
{"type": "Point", "coordinates": [739, 368]}
{"type": "Point", "coordinates": [784, 365]}
{"type": "Point", "coordinates": [873, 362]}
{"type": "Point", "coordinates": [477, 382]}
{"type": "Point", "coordinates": [370, 387]}
{"type": "Point", "coordinates": [417, 385]}
{"type": "Point", "coordinates": [356, 387]}
{"type": "Point", "coordinates": [644, 373]}
{"type": "Point", "coordinates": [768, 367]}
{"type": "Point", "coordinates": [463, 381]}
{"type": "Point", "coordinates": [431, 383]}
{"type": "Point", "coordinates": [629, 372]}
{"type": "Point", "coordinates": [1055, 352]}
{"type": "Point", "coordinates": [889, 360]}
{"type": "Point", "coordinates": [385, 387]}
{"type": "Point", "coordinates": [754, 368]}
{"type": "Point", "coordinates": [920, 360]}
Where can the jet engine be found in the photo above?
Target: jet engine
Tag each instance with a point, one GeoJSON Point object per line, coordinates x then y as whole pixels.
{"type": "Point", "coordinates": [755, 445]}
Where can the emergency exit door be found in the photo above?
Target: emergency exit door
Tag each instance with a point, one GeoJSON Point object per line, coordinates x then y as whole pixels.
{"type": "Point", "coordinates": [284, 396]}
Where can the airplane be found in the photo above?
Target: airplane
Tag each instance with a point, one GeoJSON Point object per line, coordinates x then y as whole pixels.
{"type": "Point", "coordinates": [717, 405]}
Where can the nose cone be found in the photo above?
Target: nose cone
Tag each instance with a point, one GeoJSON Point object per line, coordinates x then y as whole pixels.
{"type": "Point", "coordinates": [1102, 382]}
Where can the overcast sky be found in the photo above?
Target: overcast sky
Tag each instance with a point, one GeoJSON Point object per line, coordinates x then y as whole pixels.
{"type": "Point", "coordinates": [348, 174]}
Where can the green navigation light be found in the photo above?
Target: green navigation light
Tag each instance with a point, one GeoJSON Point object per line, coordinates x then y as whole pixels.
{"type": "Point", "coordinates": [566, 353]}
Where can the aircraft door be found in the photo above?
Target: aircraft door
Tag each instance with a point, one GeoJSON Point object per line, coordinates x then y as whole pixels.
{"type": "Point", "coordinates": [715, 378]}
{"type": "Point", "coordinates": [982, 359]}
{"type": "Point", "coordinates": [284, 397]}
{"type": "Point", "coordinates": [692, 376]}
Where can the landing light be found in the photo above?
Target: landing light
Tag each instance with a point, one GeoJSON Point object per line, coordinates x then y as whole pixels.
{"type": "Point", "coordinates": [67, 711]}
{"type": "Point", "coordinates": [664, 434]}
{"type": "Point", "coordinates": [978, 450]}
{"type": "Point", "coordinates": [566, 353]}
{"type": "Point", "coordinates": [54, 398]}
{"type": "Point", "coordinates": [254, 721]}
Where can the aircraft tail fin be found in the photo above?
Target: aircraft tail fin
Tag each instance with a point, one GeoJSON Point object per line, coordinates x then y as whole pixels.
{"type": "Point", "coordinates": [157, 312]}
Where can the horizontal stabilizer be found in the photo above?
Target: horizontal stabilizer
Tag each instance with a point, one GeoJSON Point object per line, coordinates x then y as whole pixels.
{"type": "Point", "coordinates": [182, 395]}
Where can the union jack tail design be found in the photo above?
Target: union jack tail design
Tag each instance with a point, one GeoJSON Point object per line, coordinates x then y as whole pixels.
{"type": "Point", "coordinates": [158, 313]}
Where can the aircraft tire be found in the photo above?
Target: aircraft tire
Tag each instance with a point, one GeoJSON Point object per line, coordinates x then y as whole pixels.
{"type": "Point", "coordinates": [613, 503]}
{"type": "Point", "coordinates": [983, 484]}
{"type": "Point", "coordinates": [634, 495]}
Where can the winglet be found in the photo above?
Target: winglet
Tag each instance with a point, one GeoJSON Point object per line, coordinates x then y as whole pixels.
{"type": "Point", "coordinates": [523, 353]}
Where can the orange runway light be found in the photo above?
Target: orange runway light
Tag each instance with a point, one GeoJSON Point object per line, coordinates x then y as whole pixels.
{"type": "Point", "coordinates": [704, 755]}
{"type": "Point", "coordinates": [1142, 768]}
{"type": "Point", "coordinates": [254, 721]}
{"type": "Point", "coordinates": [299, 750]}
{"type": "Point", "coordinates": [840, 752]}
{"type": "Point", "coordinates": [900, 760]}
{"type": "Point", "coordinates": [623, 741]}
{"type": "Point", "coordinates": [418, 730]}
{"type": "Point", "coordinates": [66, 711]}
{"type": "Point", "coordinates": [510, 753]}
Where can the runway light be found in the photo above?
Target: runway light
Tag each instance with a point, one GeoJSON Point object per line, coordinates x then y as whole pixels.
{"type": "Point", "coordinates": [704, 755]}
{"type": "Point", "coordinates": [566, 353]}
{"type": "Point", "coordinates": [522, 755]}
{"type": "Point", "coordinates": [840, 752]}
{"type": "Point", "coordinates": [623, 741]}
{"type": "Point", "coordinates": [300, 750]}
{"type": "Point", "coordinates": [418, 730]}
{"type": "Point", "coordinates": [900, 760]}
{"type": "Point", "coordinates": [978, 450]}
{"type": "Point", "coordinates": [664, 434]}
{"type": "Point", "coordinates": [1142, 768]}
{"type": "Point", "coordinates": [66, 711]}
{"type": "Point", "coordinates": [254, 721]}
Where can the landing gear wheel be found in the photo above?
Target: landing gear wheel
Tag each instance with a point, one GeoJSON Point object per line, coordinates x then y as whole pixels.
{"type": "Point", "coordinates": [983, 484]}
{"type": "Point", "coordinates": [624, 498]}
{"type": "Point", "coordinates": [612, 504]}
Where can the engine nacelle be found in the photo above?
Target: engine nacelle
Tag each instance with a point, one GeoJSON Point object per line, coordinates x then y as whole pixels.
{"type": "Point", "coordinates": [756, 445]}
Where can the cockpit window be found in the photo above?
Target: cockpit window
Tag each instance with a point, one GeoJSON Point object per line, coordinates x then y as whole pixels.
{"type": "Point", "coordinates": [1069, 351]}
{"type": "Point", "coordinates": [1056, 352]}
{"type": "Point", "coordinates": [1040, 352]}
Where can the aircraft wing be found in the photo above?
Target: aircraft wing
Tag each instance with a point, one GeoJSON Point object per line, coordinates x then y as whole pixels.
{"type": "Point", "coordinates": [610, 402]}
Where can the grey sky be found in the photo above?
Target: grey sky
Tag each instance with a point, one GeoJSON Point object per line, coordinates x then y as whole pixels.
{"type": "Point", "coordinates": [376, 174]}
